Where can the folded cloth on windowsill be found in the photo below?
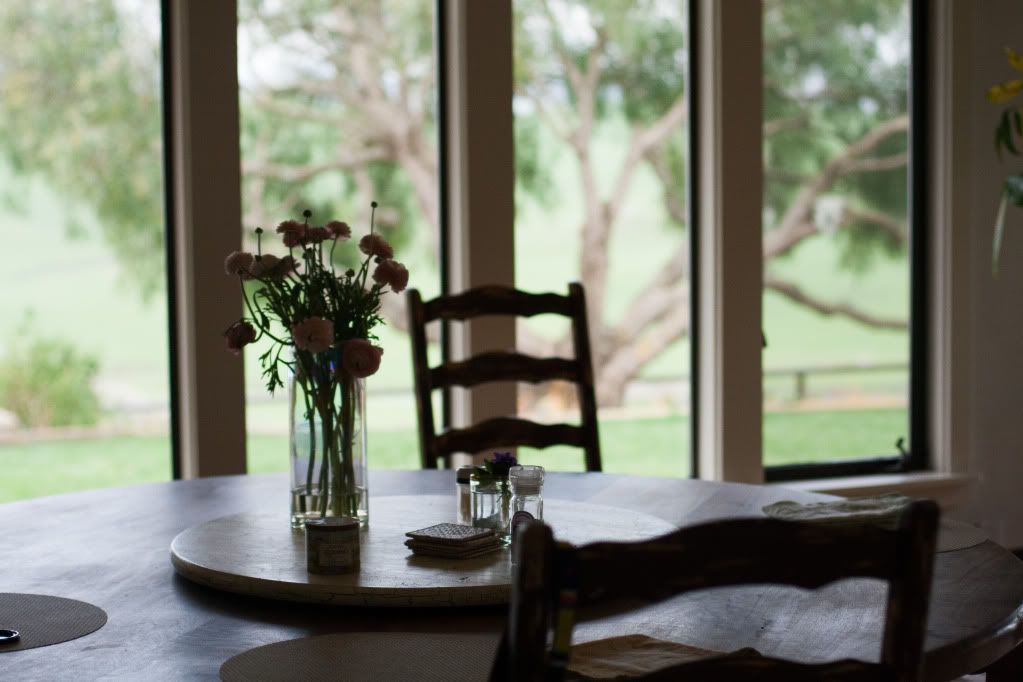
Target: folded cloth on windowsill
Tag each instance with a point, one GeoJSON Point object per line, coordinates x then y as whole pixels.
{"type": "Point", "coordinates": [618, 658]}
{"type": "Point", "coordinates": [881, 510]}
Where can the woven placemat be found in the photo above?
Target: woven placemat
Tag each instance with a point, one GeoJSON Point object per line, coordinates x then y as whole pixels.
{"type": "Point", "coordinates": [953, 535]}
{"type": "Point", "coordinates": [44, 620]}
{"type": "Point", "coordinates": [391, 656]}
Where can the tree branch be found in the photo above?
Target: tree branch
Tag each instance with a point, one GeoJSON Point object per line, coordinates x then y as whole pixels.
{"type": "Point", "coordinates": [797, 295]}
{"type": "Point", "coordinates": [895, 228]}
{"type": "Point", "coordinates": [674, 202]}
{"type": "Point", "coordinates": [292, 173]}
{"type": "Point", "coordinates": [878, 163]}
{"type": "Point", "coordinates": [656, 298]}
{"type": "Point", "coordinates": [547, 117]}
{"type": "Point", "coordinates": [779, 124]}
{"type": "Point", "coordinates": [643, 141]}
{"type": "Point", "coordinates": [791, 228]}
{"type": "Point", "coordinates": [642, 347]}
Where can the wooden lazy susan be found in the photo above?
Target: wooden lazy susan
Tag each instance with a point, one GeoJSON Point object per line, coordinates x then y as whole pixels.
{"type": "Point", "coordinates": [257, 553]}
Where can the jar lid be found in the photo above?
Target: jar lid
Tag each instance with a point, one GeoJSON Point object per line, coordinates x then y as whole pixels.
{"type": "Point", "coordinates": [526, 479]}
{"type": "Point", "coordinates": [338, 524]}
{"type": "Point", "coordinates": [463, 474]}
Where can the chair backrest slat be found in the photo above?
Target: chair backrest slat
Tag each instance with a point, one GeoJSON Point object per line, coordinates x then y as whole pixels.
{"type": "Point", "coordinates": [501, 366]}
{"type": "Point", "coordinates": [735, 552]}
{"type": "Point", "coordinates": [732, 552]}
{"type": "Point", "coordinates": [503, 432]}
{"type": "Point", "coordinates": [495, 300]}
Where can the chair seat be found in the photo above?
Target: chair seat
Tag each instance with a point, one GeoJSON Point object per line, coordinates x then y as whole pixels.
{"type": "Point", "coordinates": [621, 658]}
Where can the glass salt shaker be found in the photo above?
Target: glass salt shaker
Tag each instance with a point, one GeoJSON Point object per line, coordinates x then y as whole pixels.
{"type": "Point", "coordinates": [527, 494]}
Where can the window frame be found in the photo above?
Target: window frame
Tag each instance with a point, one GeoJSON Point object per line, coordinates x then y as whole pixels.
{"type": "Point", "coordinates": [712, 416]}
{"type": "Point", "coordinates": [917, 457]}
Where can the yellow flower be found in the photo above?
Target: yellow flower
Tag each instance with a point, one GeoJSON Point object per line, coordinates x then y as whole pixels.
{"type": "Point", "coordinates": [1004, 92]}
{"type": "Point", "coordinates": [1015, 60]}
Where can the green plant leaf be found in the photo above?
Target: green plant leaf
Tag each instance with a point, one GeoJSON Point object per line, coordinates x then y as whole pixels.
{"type": "Point", "coordinates": [1014, 189]}
{"type": "Point", "coordinates": [1004, 134]}
{"type": "Point", "coordinates": [996, 243]}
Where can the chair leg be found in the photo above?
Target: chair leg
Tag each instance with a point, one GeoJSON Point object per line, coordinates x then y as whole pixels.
{"type": "Point", "coordinates": [502, 662]}
{"type": "Point", "coordinates": [1007, 669]}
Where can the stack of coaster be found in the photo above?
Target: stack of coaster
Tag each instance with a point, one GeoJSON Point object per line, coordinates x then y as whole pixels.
{"type": "Point", "coordinates": [453, 541]}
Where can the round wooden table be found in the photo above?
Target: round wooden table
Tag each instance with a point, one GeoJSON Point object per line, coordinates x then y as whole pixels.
{"type": "Point", "coordinates": [111, 548]}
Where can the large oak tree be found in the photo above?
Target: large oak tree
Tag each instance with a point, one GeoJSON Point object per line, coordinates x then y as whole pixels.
{"type": "Point", "coordinates": [339, 107]}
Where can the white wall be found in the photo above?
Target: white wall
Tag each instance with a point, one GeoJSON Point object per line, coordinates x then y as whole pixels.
{"type": "Point", "coordinates": [995, 317]}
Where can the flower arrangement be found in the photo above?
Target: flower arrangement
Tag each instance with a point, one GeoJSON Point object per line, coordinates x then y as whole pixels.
{"type": "Point", "coordinates": [1008, 135]}
{"type": "Point", "coordinates": [495, 469]}
{"type": "Point", "coordinates": [320, 324]}
{"type": "Point", "coordinates": [491, 496]}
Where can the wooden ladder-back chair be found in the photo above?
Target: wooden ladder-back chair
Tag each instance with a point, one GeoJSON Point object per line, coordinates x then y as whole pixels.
{"type": "Point", "coordinates": [503, 366]}
{"type": "Point", "coordinates": [721, 553]}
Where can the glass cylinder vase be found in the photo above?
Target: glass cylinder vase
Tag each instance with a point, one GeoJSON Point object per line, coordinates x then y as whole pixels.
{"type": "Point", "coordinates": [327, 437]}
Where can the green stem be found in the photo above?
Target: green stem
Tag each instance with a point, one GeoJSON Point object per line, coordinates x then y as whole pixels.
{"type": "Point", "coordinates": [347, 440]}
{"type": "Point", "coordinates": [312, 437]}
{"type": "Point", "coordinates": [255, 318]}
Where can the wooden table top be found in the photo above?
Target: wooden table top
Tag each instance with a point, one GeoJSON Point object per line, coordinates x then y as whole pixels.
{"type": "Point", "coordinates": [111, 548]}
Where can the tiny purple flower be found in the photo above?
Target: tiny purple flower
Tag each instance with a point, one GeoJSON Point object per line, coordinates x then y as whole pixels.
{"type": "Point", "coordinates": [501, 463]}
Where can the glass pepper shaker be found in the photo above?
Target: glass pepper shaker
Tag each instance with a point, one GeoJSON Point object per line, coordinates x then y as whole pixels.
{"type": "Point", "coordinates": [463, 476]}
{"type": "Point", "coordinates": [527, 494]}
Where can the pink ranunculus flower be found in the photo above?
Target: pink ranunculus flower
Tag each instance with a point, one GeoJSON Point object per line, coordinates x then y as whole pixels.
{"type": "Point", "coordinates": [264, 266]}
{"type": "Point", "coordinates": [239, 335]}
{"type": "Point", "coordinates": [339, 229]}
{"type": "Point", "coordinates": [285, 266]}
{"type": "Point", "coordinates": [313, 334]}
{"type": "Point", "coordinates": [315, 235]}
{"type": "Point", "coordinates": [393, 274]}
{"type": "Point", "coordinates": [360, 358]}
{"type": "Point", "coordinates": [238, 263]}
{"type": "Point", "coordinates": [292, 233]}
{"type": "Point", "coordinates": [375, 245]}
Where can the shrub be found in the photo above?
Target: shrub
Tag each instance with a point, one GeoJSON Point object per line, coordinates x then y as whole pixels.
{"type": "Point", "coordinates": [46, 381]}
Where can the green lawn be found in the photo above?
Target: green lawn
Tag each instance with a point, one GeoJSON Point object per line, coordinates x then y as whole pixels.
{"type": "Point", "coordinates": [649, 446]}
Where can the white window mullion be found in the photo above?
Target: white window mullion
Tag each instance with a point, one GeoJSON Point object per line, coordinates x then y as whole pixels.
{"type": "Point", "coordinates": [206, 190]}
{"type": "Point", "coordinates": [481, 184]}
{"type": "Point", "coordinates": [730, 264]}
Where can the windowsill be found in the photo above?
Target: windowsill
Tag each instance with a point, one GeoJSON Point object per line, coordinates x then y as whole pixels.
{"type": "Point", "coordinates": [949, 490]}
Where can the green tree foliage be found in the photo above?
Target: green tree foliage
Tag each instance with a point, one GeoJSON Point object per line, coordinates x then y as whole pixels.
{"type": "Point", "coordinates": [338, 107]}
{"type": "Point", "coordinates": [834, 70]}
{"type": "Point", "coordinates": [80, 107]}
{"type": "Point", "coordinates": [46, 381]}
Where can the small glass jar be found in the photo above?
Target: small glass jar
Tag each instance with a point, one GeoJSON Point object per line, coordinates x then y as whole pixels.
{"type": "Point", "coordinates": [490, 503]}
{"type": "Point", "coordinates": [527, 494]}
{"type": "Point", "coordinates": [332, 545]}
{"type": "Point", "coordinates": [463, 495]}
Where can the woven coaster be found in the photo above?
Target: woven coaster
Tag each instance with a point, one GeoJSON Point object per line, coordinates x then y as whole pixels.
{"type": "Point", "coordinates": [42, 620]}
{"type": "Point", "coordinates": [449, 552]}
{"type": "Point", "coordinates": [450, 534]}
{"type": "Point", "coordinates": [469, 545]}
{"type": "Point", "coordinates": [391, 656]}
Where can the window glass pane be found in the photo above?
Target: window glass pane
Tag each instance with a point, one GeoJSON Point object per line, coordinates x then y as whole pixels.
{"type": "Point", "coordinates": [338, 109]}
{"type": "Point", "coordinates": [600, 120]}
{"type": "Point", "coordinates": [83, 318]}
{"type": "Point", "coordinates": [836, 266]}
